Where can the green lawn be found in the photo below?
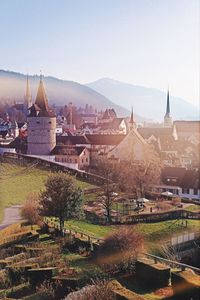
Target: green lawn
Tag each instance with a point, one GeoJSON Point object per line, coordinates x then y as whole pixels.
{"type": "Point", "coordinates": [193, 207]}
{"type": "Point", "coordinates": [151, 231]}
{"type": "Point", "coordinates": [16, 182]}
{"type": "Point", "coordinates": [98, 231]}
{"type": "Point", "coordinates": [163, 230]}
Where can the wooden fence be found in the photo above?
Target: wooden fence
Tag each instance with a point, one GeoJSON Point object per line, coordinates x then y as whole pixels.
{"type": "Point", "coordinates": [157, 217]}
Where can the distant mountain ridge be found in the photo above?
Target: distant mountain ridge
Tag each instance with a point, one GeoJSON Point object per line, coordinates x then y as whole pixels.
{"type": "Point", "coordinates": [148, 102]}
{"type": "Point", "coordinates": [59, 92]}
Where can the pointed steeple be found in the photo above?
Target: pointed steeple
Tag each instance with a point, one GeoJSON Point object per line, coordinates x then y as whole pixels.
{"type": "Point", "coordinates": [168, 105]}
{"type": "Point", "coordinates": [41, 98]}
{"type": "Point", "coordinates": [28, 98]}
{"type": "Point", "coordinates": [132, 122]}
{"type": "Point", "coordinates": [167, 119]}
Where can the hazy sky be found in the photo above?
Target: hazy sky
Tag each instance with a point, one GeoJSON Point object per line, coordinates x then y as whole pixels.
{"type": "Point", "coordinates": [145, 42]}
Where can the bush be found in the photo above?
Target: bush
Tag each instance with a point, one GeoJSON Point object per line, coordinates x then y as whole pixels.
{"type": "Point", "coordinates": [98, 291]}
{"type": "Point", "coordinates": [120, 248]}
{"type": "Point", "coordinates": [4, 280]}
{"type": "Point", "coordinates": [176, 201]}
{"type": "Point", "coordinates": [161, 205]}
{"type": "Point", "coordinates": [46, 288]}
{"type": "Point", "coordinates": [30, 210]}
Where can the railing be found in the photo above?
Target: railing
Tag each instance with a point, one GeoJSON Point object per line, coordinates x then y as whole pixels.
{"type": "Point", "coordinates": [171, 262]}
{"type": "Point", "coordinates": [160, 216]}
{"type": "Point", "coordinates": [75, 233]}
{"type": "Point", "coordinates": [93, 239]}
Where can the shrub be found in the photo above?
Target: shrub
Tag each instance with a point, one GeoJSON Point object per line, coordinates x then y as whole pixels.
{"type": "Point", "coordinates": [161, 205]}
{"type": "Point", "coordinates": [46, 288]}
{"type": "Point", "coordinates": [176, 201]}
{"type": "Point", "coordinates": [120, 248]}
{"type": "Point", "coordinates": [98, 291]}
{"type": "Point", "coordinates": [4, 280]}
{"type": "Point", "coordinates": [30, 210]}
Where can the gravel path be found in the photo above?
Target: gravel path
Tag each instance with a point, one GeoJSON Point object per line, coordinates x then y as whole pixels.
{"type": "Point", "coordinates": [11, 216]}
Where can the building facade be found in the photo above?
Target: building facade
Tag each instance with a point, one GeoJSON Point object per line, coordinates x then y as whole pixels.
{"type": "Point", "coordinates": [41, 125]}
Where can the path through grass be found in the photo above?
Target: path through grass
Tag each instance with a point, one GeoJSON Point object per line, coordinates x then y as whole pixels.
{"type": "Point", "coordinates": [16, 182]}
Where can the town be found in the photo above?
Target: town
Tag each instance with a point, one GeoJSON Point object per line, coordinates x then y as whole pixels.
{"type": "Point", "coordinates": [99, 150]}
{"type": "Point", "coordinates": [129, 174]}
{"type": "Point", "coordinates": [75, 138]}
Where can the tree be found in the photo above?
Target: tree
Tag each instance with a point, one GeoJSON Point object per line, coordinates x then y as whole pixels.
{"type": "Point", "coordinates": [120, 248]}
{"type": "Point", "coordinates": [61, 198]}
{"type": "Point", "coordinates": [108, 169]}
{"type": "Point", "coordinates": [137, 177]}
{"type": "Point", "coordinates": [30, 209]}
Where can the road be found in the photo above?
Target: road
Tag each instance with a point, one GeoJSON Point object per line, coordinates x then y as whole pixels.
{"type": "Point", "coordinates": [11, 216]}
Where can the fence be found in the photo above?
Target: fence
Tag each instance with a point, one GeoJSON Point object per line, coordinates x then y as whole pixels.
{"type": "Point", "coordinates": [75, 233]}
{"type": "Point", "coordinates": [92, 239]}
{"type": "Point", "coordinates": [54, 166]}
{"type": "Point", "coordinates": [172, 263]}
{"type": "Point", "coordinates": [157, 217]}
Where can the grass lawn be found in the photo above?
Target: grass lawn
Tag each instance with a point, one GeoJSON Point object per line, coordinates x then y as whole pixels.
{"type": "Point", "coordinates": [152, 232]}
{"type": "Point", "coordinates": [16, 182]}
{"type": "Point", "coordinates": [98, 231]}
{"type": "Point", "coordinates": [193, 207]}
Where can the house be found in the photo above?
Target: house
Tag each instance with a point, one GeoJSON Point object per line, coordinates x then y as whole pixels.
{"type": "Point", "coordinates": [77, 157]}
{"type": "Point", "coordinates": [96, 143]}
{"type": "Point", "coordinates": [181, 182]}
{"type": "Point", "coordinates": [89, 118]}
{"type": "Point", "coordinates": [116, 126]}
{"type": "Point", "coordinates": [108, 115]}
{"type": "Point", "coordinates": [132, 148]}
{"type": "Point", "coordinates": [188, 131]}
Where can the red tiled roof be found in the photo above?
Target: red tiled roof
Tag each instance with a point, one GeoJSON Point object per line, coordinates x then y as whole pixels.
{"type": "Point", "coordinates": [147, 132]}
{"type": "Point", "coordinates": [114, 124]}
{"type": "Point", "coordinates": [109, 114]}
{"type": "Point", "coordinates": [188, 126]}
{"type": "Point", "coordinates": [72, 140]}
{"type": "Point", "coordinates": [67, 150]}
{"type": "Point", "coordinates": [105, 139]}
{"type": "Point", "coordinates": [181, 177]}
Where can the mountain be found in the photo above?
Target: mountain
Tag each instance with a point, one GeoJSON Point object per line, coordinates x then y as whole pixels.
{"type": "Point", "coordinates": [148, 102]}
{"type": "Point", "coordinates": [59, 92]}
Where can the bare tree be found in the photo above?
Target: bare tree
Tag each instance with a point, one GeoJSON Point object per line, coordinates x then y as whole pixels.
{"type": "Point", "coordinates": [137, 177]}
{"type": "Point", "coordinates": [30, 209]}
{"type": "Point", "coordinates": [108, 169]}
{"type": "Point", "coordinates": [120, 248]}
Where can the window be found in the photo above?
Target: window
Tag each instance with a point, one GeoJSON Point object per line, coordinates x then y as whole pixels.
{"type": "Point", "coordinates": [49, 122]}
{"type": "Point", "coordinates": [186, 191]}
{"type": "Point", "coordinates": [38, 122]}
{"type": "Point", "coordinates": [82, 160]}
{"type": "Point", "coordinates": [195, 191]}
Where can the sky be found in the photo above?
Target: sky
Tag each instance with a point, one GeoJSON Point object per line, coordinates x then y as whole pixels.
{"type": "Point", "coordinates": [154, 43]}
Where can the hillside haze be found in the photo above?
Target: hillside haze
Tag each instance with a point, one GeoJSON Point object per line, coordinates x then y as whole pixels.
{"type": "Point", "coordinates": [148, 102]}
{"type": "Point", "coordinates": [59, 92]}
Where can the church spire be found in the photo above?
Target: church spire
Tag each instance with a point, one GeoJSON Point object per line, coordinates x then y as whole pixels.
{"type": "Point", "coordinates": [167, 119]}
{"type": "Point", "coordinates": [27, 97]}
{"type": "Point", "coordinates": [168, 105]}
{"type": "Point", "coordinates": [132, 122]}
